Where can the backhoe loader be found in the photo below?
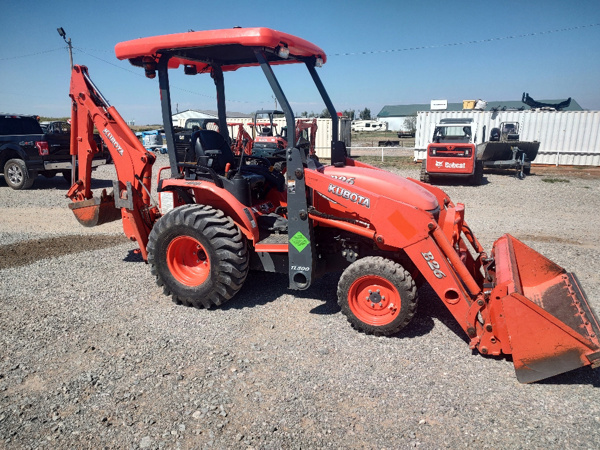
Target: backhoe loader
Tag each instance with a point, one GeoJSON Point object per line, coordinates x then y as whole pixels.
{"type": "Point", "coordinates": [220, 215]}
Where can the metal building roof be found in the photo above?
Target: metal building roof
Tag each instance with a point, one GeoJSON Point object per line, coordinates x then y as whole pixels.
{"type": "Point", "coordinates": [411, 110]}
{"type": "Point", "coordinates": [193, 113]}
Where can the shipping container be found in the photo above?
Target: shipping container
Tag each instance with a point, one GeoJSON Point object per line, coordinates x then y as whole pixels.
{"type": "Point", "coordinates": [566, 137]}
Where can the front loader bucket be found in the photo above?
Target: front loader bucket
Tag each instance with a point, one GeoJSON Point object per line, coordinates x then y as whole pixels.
{"type": "Point", "coordinates": [551, 327]}
{"type": "Point", "coordinates": [96, 211]}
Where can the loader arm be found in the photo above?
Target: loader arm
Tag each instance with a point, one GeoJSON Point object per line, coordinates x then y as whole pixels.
{"type": "Point", "coordinates": [130, 199]}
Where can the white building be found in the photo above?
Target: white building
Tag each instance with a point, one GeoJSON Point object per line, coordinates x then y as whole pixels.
{"type": "Point", "coordinates": [180, 118]}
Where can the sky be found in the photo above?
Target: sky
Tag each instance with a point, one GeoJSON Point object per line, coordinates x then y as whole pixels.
{"type": "Point", "coordinates": [379, 53]}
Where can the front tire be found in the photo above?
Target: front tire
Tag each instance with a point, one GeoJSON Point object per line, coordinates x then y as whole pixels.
{"type": "Point", "coordinates": [198, 256]}
{"type": "Point", "coordinates": [17, 176]}
{"type": "Point", "coordinates": [377, 296]}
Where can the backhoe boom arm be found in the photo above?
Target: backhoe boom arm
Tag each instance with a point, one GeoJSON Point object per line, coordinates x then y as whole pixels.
{"type": "Point", "coordinates": [132, 162]}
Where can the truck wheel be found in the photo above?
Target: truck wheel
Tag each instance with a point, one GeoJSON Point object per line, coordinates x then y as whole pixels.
{"type": "Point", "coordinates": [67, 175]}
{"type": "Point", "coordinates": [48, 173]}
{"type": "Point", "coordinates": [377, 296]}
{"type": "Point", "coordinates": [198, 256]}
{"type": "Point", "coordinates": [17, 176]}
{"type": "Point", "coordinates": [477, 177]}
{"type": "Point", "coordinates": [425, 177]}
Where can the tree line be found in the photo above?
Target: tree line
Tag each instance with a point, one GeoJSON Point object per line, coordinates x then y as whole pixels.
{"type": "Point", "coordinates": [364, 114]}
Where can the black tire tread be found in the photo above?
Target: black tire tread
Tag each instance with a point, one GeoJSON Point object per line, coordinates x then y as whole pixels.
{"type": "Point", "coordinates": [29, 176]}
{"type": "Point", "coordinates": [425, 177]}
{"type": "Point", "coordinates": [227, 242]}
{"type": "Point", "coordinates": [390, 270]}
{"type": "Point", "coordinates": [477, 177]}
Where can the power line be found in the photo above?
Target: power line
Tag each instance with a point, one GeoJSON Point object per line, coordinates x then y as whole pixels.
{"type": "Point", "coordinates": [406, 49]}
{"type": "Point", "coordinates": [372, 52]}
{"type": "Point", "coordinates": [41, 52]}
{"type": "Point", "coordinates": [172, 86]}
{"type": "Point", "coordinates": [110, 63]}
{"type": "Point", "coordinates": [479, 41]}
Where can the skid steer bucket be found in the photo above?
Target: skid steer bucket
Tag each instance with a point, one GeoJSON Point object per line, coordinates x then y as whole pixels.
{"type": "Point", "coordinates": [96, 211]}
{"type": "Point", "coordinates": [551, 327]}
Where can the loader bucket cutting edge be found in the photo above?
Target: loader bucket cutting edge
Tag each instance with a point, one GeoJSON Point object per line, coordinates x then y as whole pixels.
{"type": "Point", "coordinates": [551, 327]}
{"type": "Point", "coordinates": [95, 211]}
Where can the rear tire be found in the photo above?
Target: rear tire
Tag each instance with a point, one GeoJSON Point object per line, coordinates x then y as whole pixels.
{"type": "Point", "coordinates": [17, 176]}
{"type": "Point", "coordinates": [377, 296]}
{"type": "Point", "coordinates": [198, 256]}
{"type": "Point", "coordinates": [425, 177]}
{"type": "Point", "coordinates": [477, 177]}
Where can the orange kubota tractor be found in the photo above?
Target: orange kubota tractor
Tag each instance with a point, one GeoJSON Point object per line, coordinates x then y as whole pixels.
{"type": "Point", "coordinates": [221, 215]}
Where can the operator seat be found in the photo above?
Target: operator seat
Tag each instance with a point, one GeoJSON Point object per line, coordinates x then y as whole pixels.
{"type": "Point", "coordinates": [212, 150]}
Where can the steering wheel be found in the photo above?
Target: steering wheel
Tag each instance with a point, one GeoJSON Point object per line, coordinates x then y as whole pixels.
{"type": "Point", "coordinates": [261, 160]}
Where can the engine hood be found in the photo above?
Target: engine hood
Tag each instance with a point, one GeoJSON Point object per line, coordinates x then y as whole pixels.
{"type": "Point", "coordinates": [385, 184]}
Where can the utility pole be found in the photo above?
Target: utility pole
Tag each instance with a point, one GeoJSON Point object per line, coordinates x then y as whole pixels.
{"type": "Point", "coordinates": [63, 35]}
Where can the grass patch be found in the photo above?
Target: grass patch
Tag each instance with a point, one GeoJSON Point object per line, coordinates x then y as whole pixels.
{"type": "Point", "coordinates": [555, 180]}
{"type": "Point", "coordinates": [397, 162]}
{"type": "Point", "coordinates": [376, 135]}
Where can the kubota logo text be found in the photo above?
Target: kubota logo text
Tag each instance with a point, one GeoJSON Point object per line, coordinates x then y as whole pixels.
{"type": "Point", "coordinates": [352, 196]}
{"type": "Point", "coordinates": [113, 141]}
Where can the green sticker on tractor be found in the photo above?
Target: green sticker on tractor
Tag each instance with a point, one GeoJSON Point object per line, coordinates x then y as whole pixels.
{"type": "Point", "coordinates": [299, 241]}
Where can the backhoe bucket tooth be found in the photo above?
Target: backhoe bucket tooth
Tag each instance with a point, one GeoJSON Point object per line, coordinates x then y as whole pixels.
{"type": "Point", "coordinates": [96, 211]}
{"type": "Point", "coordinates": [551, 327]}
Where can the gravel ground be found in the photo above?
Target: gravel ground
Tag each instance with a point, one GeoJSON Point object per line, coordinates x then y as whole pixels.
{"type": "Point", "coordinates": [93, 355]}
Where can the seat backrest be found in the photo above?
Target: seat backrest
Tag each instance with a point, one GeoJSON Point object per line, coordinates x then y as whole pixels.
{"type": "Point", "coordinates": [203, 141]}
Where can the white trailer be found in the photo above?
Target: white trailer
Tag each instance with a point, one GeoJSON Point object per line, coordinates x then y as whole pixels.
{"type": "Point", "coordinates": [369, 125]}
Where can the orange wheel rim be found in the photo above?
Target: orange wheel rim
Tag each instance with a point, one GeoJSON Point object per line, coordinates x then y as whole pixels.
{"type": "Point", "coordinates": [188, 261]}
{"type": "Point", "coordinates": [374, 300]}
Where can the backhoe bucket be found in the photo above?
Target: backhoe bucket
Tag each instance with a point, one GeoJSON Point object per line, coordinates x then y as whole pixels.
{"type": "Point", "coordinates": [96, 211]}
{"type": "Point", "coordinates": [551, 327]}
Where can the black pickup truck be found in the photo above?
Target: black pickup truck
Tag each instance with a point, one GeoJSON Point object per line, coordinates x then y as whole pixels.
{"type": "Point", "coordinates": [26, 151]}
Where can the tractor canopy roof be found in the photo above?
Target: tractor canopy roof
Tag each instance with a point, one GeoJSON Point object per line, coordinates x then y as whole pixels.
{"type": "Point", "coordinates": [230, 49]}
